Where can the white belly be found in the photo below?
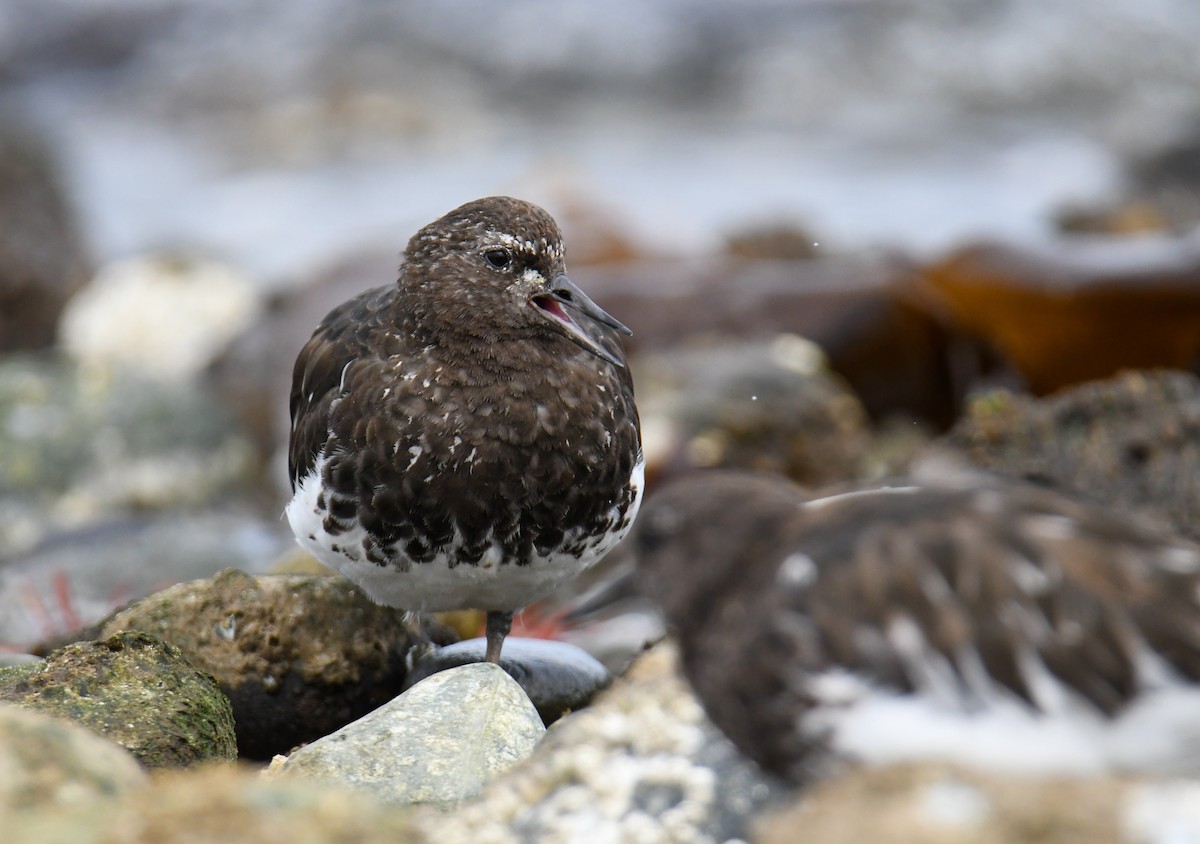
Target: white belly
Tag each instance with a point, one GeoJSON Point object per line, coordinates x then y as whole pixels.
{"type": "Point", "coordinates": [435, 586]}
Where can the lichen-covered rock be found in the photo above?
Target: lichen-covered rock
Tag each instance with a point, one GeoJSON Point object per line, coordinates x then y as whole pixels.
{"type": "Point", "coordinates": [558, 677]}
{"type": "Point", "coordinates": [134, 690]}
{"type": "Point", "coordinates": [299, 656]}
{"type": "Point", "coordinates": [440, 742]}
{"type": "Point", "coordinates": [642, 763]}
{"type": "Point", "coordinates": [52, 765]}
{"type": "Point", "coordinates": [1131, 442]}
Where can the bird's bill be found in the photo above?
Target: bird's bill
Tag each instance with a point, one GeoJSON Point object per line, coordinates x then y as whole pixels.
{"type": "Point", "coordinates": [562, 301]}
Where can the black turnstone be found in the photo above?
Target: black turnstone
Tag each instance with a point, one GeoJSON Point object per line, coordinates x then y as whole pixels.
{"type": "Point", "coordinates": [466, 437]}
{"type": "Point", "coordinates": [961, 617]}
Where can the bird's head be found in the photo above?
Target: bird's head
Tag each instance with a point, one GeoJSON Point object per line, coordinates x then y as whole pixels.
{"type": "Point", "coordinates": [506, 259]}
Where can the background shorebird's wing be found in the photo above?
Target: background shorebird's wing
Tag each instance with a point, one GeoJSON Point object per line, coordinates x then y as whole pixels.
{"type": "Point", "coordinates": [965, 594]}
{"type": "Point", "coordinates": [319, 375]}
{"type": "Point", "coordinates": [950, 601]}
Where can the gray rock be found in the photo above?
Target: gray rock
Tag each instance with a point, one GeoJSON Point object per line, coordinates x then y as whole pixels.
{"type": "Point", "coordinates": [642, 763]}
{"type": "Point", "coordinates": [298, 655]}
{"type": "Point", "coordinates": [557, 677]}
{"type": "Point", "coordinates": [440, 742]}
{"type": "Point", "coordinates": [51, 764]}
{"type": "Point", "coordinates": [134, 690]}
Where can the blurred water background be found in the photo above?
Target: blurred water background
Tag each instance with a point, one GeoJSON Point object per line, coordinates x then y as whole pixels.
{"type": "Point", "coordinates": [282, 136]}
{"type": "Point", "coordinates": [210, 176]}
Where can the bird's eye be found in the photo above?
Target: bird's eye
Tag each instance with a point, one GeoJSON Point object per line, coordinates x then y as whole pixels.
{"type": "Point", "coordinates": [498, 258]}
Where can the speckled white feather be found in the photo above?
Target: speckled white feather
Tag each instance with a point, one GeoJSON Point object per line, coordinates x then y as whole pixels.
{"type": "Point", "coordinates": [1158, 733]}
{"type": "Point", "coordinates": [435, 586]}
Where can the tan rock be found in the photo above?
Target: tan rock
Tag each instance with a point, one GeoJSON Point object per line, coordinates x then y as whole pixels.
{"type": "Point", "coordinates": [50, 764]}
{"type": "Point", "coordinates": [942, 805]}
{"type": "Point", "coordinates": [219, 803]}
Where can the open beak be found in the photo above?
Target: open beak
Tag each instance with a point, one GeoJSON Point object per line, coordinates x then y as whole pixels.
{"type": "Point", "coordinates": [563, 302]}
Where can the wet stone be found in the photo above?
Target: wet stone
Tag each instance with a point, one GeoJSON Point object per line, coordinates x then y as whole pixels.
{"type": "Point", "coordinates": [558, 677]}
{"type": "Point", "coordinates": [298, 655]}
{"type": "Point", "coordinates": [134, 690]}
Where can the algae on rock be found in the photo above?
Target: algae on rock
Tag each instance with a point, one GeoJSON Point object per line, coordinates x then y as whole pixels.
{"type": "Point", "coordinates": [134, 690]}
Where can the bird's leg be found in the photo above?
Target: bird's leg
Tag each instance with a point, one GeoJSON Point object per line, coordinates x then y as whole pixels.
{"type": "Point", "coordinates": [498, 625]}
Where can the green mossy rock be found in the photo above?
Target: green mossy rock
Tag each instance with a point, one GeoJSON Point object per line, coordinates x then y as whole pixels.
{"type": "Point", "coordinates": [134, 690]}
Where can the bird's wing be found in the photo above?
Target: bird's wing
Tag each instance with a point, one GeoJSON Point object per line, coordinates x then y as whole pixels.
{"type": "Point", "coordinates": [998, 589]}
{"type": "Point", "coordinates": [318, 377]}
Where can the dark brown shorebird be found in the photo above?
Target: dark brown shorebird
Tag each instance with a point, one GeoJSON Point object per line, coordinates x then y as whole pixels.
{"type": "Point", "coordinates": [466, 438]}
{"type": "Point", "coordinates": [957, 617]}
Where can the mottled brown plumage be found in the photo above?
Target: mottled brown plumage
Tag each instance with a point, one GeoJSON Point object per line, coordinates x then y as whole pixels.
{"type": "Point", "coordinates": [476, 414]}
{"type": "Point", "coordinates": [967, 591]}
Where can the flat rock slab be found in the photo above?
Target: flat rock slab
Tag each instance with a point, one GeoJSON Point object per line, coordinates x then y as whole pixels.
{"type": "Point", "coordinates": [439, 742]}
{"type": "Point", "coordinates": [557, 677]}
